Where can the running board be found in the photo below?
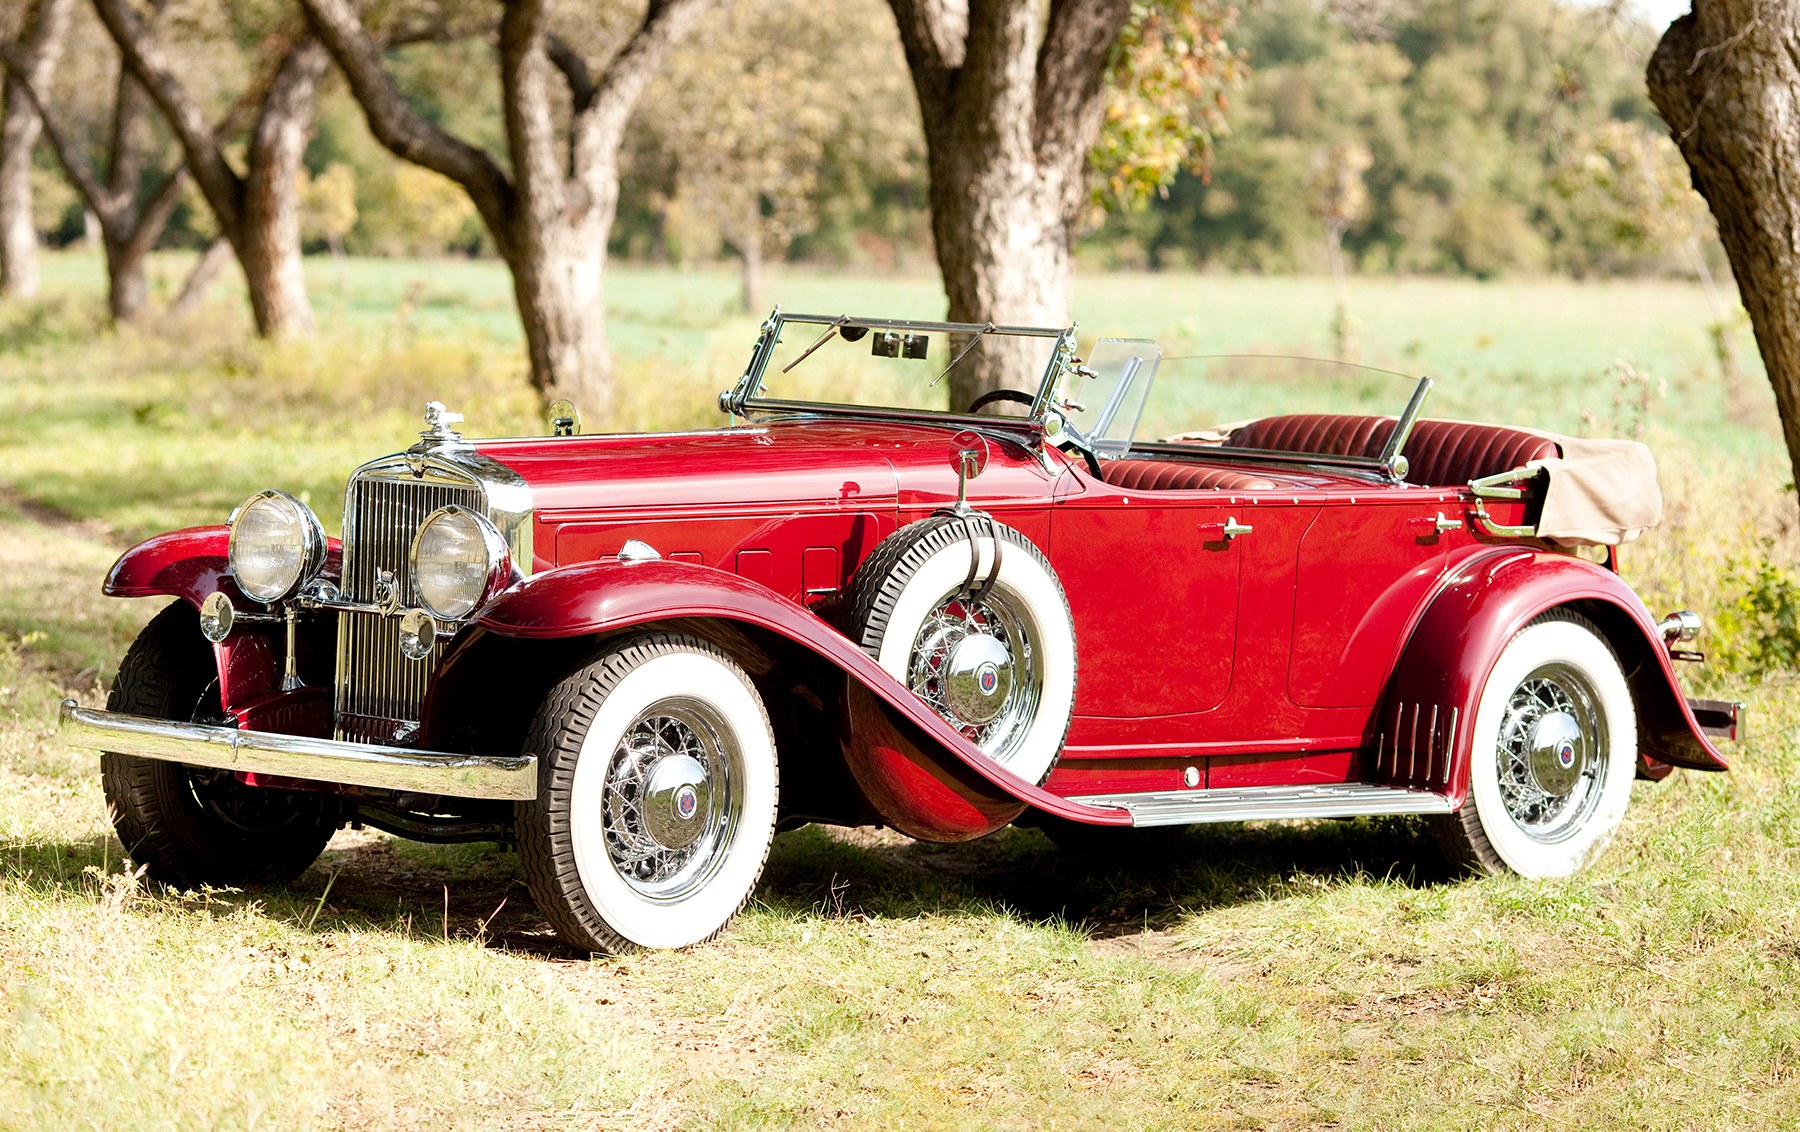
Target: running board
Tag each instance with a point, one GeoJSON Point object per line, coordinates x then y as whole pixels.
{"type": "Point", "coordinates": [1265, 803]}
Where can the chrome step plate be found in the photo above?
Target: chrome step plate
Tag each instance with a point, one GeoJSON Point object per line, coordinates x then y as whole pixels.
{"type": "Point", "coordinates": [1266, 803]}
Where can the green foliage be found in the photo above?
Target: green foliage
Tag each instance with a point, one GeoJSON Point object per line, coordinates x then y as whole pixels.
{"type": "Point", "coordinates": [1503, 138]}
{"type": "Point", "coordinates": [1758, 631]}
{"type": "Point", "coordinates": [1168, 84]}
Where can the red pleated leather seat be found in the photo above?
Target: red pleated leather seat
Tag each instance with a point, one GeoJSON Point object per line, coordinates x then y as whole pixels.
{"type": "Point", "coordinates": [1451, 453]}
{"type": "Point", "coordinates": [1440, 453]}
{"type": "Point", "coordinates": [1171, 475]}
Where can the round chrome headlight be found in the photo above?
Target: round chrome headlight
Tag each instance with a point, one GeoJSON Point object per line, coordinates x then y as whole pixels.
{"type": "Point", "coordinates": [458, 561]}
{"type": "Point", "coordinates": [277, 545]}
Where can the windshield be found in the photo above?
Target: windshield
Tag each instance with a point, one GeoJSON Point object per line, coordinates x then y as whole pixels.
{"type": "Point", "coordinates": [1199, 397]}
{"type": "Point", "coordinates": [846, 361]}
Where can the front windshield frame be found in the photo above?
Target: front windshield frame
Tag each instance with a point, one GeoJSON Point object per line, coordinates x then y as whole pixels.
{"type": "Point", "coordinates": [745, 398]}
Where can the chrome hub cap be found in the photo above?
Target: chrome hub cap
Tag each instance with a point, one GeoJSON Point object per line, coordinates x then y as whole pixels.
{"type": "Point", "coordinates": [1552, 753]}
{"type": "Point", "coordinates": [977, 678]}
{"type": "Point", "coordinates": [974, 663]}
{"type": "Point", "coordinates": [671, 802]}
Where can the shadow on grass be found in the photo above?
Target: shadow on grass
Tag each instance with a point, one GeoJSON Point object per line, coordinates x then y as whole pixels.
{"type": "Point", "coordinates": [1136, 881]}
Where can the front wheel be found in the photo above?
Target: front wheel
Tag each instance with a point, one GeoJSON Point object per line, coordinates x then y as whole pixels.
{"type": "Point", "coordinates": [196, 826]}
{"type": "Point", "coordinates": [657, 788]}
{"type": "Point", "coordinates": [1553, 756]}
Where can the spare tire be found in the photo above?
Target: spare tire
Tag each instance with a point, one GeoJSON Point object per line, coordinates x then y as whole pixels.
{"type": "Point", "coordinates": [990, 648]}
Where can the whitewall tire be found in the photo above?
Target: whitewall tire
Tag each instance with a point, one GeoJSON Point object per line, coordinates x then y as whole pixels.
{"type": "Point", "coordinates": [1553, 755]}
{"type": "Point", "coordinates": [657, 794]}
{"type": "Point", "coordinates": [997, 663]}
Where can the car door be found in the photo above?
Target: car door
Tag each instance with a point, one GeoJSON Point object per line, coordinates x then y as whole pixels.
{"type": "Point", "coordinates": [1152, 579]}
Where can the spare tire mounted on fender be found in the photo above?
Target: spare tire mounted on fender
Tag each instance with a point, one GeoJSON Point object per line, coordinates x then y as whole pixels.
{"type": "Point", "coordinates": [968, 614]}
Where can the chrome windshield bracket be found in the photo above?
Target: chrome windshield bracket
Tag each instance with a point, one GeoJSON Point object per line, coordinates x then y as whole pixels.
{"type": "Point", "coordinates": [1391, 459]}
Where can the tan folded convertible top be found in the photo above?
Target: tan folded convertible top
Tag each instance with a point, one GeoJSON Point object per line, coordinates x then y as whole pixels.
{"type": "Point", "coordinates": [1600, 492]}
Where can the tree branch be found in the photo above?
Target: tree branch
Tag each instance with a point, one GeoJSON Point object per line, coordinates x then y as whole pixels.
{"type": "Point", "coordinates": [1071, 70]}
{"type": "Point", "coordinates": [574, 71]}
{"type": "Point", "coordinates": [402, 129]}
{"type": "Point", "coordinates": [156, 214]}
{"type": "Point", "coordinates": [597, 132]}
{"type": "Point", "coordinates": [933, 34]}
{"type": "Point", "coordinates": [221, 184]}
{"type": "Point", "coordinates": [68, 154]}
{"type": "Point", "coordinates": [538, 178]}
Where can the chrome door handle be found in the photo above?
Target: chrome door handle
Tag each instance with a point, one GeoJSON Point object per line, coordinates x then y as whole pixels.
{"type": "Point", "coordinates": [1226, 531]}
{"type": "Point", "coordinates": [1438, 524]}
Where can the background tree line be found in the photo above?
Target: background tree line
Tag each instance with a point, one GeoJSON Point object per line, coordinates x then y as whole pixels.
{"type": "Point", "coordinates": [999, 139]}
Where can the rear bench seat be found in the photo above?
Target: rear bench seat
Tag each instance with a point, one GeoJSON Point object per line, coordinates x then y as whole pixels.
{"type": "Point", "coordinates": [1439, 453]}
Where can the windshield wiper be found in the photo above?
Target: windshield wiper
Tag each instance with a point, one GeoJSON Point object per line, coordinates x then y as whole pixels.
{"type": "Point", "coordinates": [973, 338]}
{"type": "Point", "coordinates": [842, 319]}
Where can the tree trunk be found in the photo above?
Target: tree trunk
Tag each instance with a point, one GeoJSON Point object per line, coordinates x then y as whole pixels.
{"type": "Point", "coordinates": [127, 288]}
{"type": "Point", "coordinates": [20, 127]}
{"type": "Point", "coordinates": [259, 211]}
{"type": "Point", "coordinates": [1011, 99]}
{"type": "Point", "coordinates": [268, 240]}
{"type": "Point", "coordinates": [19, 130]}
{"type": "Point", "coordinates": [751, 253]}
{"type": "Point", "coordinates": [550, 218]}
{"type": "Point", "coordinates": [1003, 246]}
{"type": "Point", "coordinates": [558, 280]}
{"type": "Point", "coordinates": [1726, 78]}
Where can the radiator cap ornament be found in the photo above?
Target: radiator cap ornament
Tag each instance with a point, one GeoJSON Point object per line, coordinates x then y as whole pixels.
{"type": "Point", "coordinates": [438, 420]}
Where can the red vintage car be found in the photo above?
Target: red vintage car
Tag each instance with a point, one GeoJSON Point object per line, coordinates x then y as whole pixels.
{"type": "Point", "coordinates": [638, 657]}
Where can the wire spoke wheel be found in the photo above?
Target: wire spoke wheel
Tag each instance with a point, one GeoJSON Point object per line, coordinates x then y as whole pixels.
{"type": "Point", "coordinates": [671, 798]}
{"type": "Point", "coordinates": [973, 662]}
{"type": "Point", "coordinates": [658, 787]}
{"type": "Point", "coordinates": [1553, 754]}
{"type": "Point", "coordinates": [997, 663]}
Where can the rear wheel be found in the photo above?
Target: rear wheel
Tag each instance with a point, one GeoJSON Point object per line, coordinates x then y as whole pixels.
{"type": "Point", "coordinates": [195, 826]}
{"type": "Point", "coordinates": [656, 796]}
{"type": "Point", "coordinates": [1553, 756]}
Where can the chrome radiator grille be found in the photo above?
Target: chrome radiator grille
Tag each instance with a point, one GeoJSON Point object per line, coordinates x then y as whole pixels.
{"type": "Point", "coordinates": [378, 690]}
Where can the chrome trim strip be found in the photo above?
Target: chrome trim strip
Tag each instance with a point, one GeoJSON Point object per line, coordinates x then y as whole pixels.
{"type": "Point", "coordinates": [1269, 803]}
{"type": "Point", "coordinates": [295, 756]}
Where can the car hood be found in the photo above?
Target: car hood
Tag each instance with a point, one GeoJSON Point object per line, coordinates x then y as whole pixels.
{"type": "Point", "coordinates": [798, 463]}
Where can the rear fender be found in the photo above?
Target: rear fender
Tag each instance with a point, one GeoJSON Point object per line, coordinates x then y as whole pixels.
{"type": "Point", "coordinates": [1424, 728]}
{"type": "Point", "coordinates": [194, 563]}
{"type": "Point", "coordinates": [921, 774]}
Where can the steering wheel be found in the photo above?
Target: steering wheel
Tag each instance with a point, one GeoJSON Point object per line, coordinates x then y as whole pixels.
{"type": "Point", "coordinates": [1017, 396]}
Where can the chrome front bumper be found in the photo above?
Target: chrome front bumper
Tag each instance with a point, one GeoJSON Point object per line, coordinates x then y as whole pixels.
{"type": "Point", "coordinates": [296, 756]}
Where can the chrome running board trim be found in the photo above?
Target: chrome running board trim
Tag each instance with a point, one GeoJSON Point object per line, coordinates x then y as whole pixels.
{"type": "Point", "coordinates": [1268, 803]}
{"type": "Point", "coordinates": [298, 756]}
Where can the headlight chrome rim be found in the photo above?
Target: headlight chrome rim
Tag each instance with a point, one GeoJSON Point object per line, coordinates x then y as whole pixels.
{"type": "Point", "coordinates": [498, 555]}
{"type": "Point", "coordinates": [310, 551]}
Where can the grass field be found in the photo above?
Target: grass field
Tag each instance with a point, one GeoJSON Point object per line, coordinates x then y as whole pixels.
{"type": "Point", "coordinates": [1331, 974]}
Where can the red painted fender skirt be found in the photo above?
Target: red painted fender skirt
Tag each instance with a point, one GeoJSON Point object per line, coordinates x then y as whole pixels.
{"type": "Point", "coordinates": [927, 780]}
{"type": "Point", "coordinates": [1425, 725]}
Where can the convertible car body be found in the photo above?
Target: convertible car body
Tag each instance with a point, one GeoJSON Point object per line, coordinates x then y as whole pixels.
{"type": "Point", "coordinates": [636, 657]}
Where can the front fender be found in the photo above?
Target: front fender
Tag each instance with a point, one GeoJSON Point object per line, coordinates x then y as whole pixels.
{"type": "Point", "coordinates": [1425, 725]}
{"type": "Point", "coordinates": [189, 564]}
{"type": "Point", "coordinates": [924, 776]}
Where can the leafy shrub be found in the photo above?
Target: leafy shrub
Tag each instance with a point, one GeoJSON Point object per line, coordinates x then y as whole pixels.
{"type": "Point", "coordinates": [1758, 630]}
